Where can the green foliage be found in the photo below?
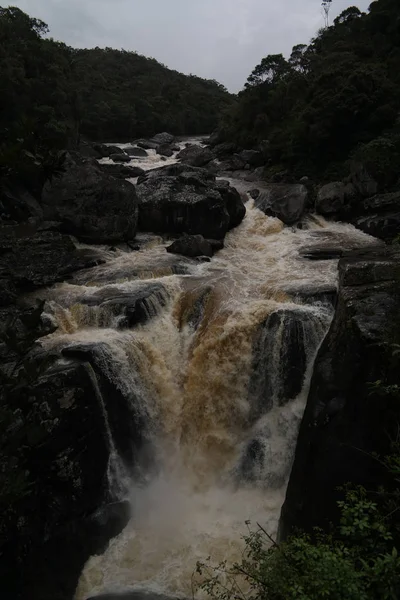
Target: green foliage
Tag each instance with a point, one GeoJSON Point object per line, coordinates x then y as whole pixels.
{"type": "Point", "coordinates": [337, 96]}
{"type": "Point", "coordinates": [357, 561]}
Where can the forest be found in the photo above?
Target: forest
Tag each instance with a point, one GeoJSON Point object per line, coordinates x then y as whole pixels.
{"type": "Point", "coordinates": [52, 95]}
{"type": "Point", "coordinates": [332, 100]}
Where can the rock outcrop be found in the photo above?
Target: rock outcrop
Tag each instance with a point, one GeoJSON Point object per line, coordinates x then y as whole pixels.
{"type": "Point", "coordinates": [195, 156]}
{"type": "Point", "coordinates": [348, 418]}
{"type": "Point", "coordinates": [380, 216]}
{"type": "Point", "coordinates": [287, 202]}
{"type": "Point", "coordinates": [90, 204]}
{"type": "Point", "coordinates": [187, 202]}
{"type": "Point", "coordinates": [122, 171]}
{"type": "Point", "coordinates": [195, 245]}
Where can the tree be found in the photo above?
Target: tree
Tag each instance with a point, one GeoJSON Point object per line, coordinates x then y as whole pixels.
{"type": "Point", "coordinates": [326, 7]}
{"type": "Point", "coordinates": [272, 68]}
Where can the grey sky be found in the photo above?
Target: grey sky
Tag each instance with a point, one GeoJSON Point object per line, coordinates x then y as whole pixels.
{"type": "Point", "coordinates": [216, 39]}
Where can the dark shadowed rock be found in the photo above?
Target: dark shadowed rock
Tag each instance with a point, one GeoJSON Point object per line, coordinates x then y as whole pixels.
{"type": "Point", "coordinates": [165, 150]}
{"type": "Point", "coordinates": [381, 216]}
{"type": "Point", "coordinates": [163, 138]}
{"type": "Point", "coordinates": [330, 198]}
{"type": "Point", "coordinates": [18, 204]}
{"type": "Point", "coordinates": [147, 144]}
{"type": "Point", "coordinates": [287, 202]}
{"type": "Point", "coordinates": [225, 150]}
{"type": "Point", "coordinates": [105, 150]}
{"type": "Point", "coordinates": [187, 202]}
{"type": "Point", "coordinates": [363, 183]}
{"type": "Point", "coordinates": [93, 206]}
{"type": "Point", "coordinates": [195, 155]}
{"type": "Point", "coordinates": [346, 421]}
{"type": "Point", "coordinates": [135, 151]}
{"type": "Point", "coordinates": [122, 171]}
{"type": "Point", "coordinates": [191, 245]}
{"type": "Point", "coordinates": [254, 158]}
{"type": "Point", "coordinates": [121, 157]}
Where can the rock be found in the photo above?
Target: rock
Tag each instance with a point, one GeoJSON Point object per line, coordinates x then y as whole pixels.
{"type": "Point", "coordinates": [254, 193]}
{"type": "Point", "coordinates": [93, 206]}
{"type": "Point", "coordinates": [214, 138]}
{"type": "Point", "coordinates": [252, 157]}
{"type": "Point", "coordinates": [195, 156]}
{"type": "Point", "coordinates": [324, 253]}
{"type": "Point", "coordinates": [362, 181]}
{"type": "Point", "coordinates": [60, 513]}
{"type": "Point", "coordinates": [122, 171]}
{"type": "Point", "coordinates": [147, 144]}
{"type": "Point", "coordinates": [163, 138]}
{"type": "Point", "coordinates": [165, 150]}
{"type": "Point", "coordinates": [287, 202]}
{"type": "Point", "coordinates": [225, 150]}
{"type": "Point", "coordinates": [87, 150]}
{"type": "Point", "coordinates": [191, 245]}
{"type": "Point", "coordinates": [233, 163]}
{"type": "Point", "coordinates": [222, 184]}
{"type": "Point", "coordinates": [18, 204]}
{"type": "Point", "coordinates": [187, 202]}
{"type": "Point", "coordinates": [346, 420]}
{"type": "Point", "coordinates": [136, 151]}
{"type": "Point", "coordinates": [330, 198]}
{"type": "Point", "coordinates": [121, 157]}
{"type": "Point", "coordinates": [380, 216]}
{"type": "Point", "coordinates": [31, 259]}
{"type": "Point", "coordinates": [105, 150]}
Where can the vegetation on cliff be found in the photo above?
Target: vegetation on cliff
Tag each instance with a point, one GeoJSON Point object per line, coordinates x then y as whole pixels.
{"type": "Point", "coordinates": [334, 99]}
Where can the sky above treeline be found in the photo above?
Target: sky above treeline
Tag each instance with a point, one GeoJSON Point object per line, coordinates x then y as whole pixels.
{"type": "Point", "coordinates": [214, 39]}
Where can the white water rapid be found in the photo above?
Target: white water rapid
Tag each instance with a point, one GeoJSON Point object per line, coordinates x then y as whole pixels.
{"type": "Point", "coordinates": [219, 371]}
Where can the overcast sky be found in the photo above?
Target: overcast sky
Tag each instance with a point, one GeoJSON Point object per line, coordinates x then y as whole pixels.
{"type": "Point", "coordinates": [215, 39]}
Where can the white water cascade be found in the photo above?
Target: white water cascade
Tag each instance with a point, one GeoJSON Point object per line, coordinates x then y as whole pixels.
{"type": "Point", "coordinates": [219, 370]}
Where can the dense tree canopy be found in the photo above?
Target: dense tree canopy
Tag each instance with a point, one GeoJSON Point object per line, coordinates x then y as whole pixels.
{"type": "Point", "coordinates": [54, 93]}
{"type": "Point", "coordinates": [330, 99]}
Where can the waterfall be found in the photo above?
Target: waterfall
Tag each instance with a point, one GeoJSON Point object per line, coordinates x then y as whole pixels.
{"type": "Point", "coordinates": [213, 362]}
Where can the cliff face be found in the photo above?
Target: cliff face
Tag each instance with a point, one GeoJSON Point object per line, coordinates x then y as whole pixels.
{"type": "Point", "coordinates": [346, 418]}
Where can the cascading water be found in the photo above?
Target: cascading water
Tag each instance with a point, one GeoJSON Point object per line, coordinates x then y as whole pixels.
{"type": "Point", "coordinates": [216, 360]}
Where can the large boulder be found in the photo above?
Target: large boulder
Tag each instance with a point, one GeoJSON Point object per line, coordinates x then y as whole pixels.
{"type": "Point", "coordinates": [187, 202]}
{"type": "Point", "coordinates": [380, 216]}
{"type": "Point", "coordinates": [330, 198]}
{"type": "Point", "coordinates": [362, 181]}
{"type": "Point", "coordinates": [93, 206]}
{"type": "Point", "coordinates": [105, 150]}
{"type": "Point", "coordinates": [195, 155]}
{"type": "Point", "coordinates": [18, 204]}
{"type": "Point", "coordinates": [163, 138]}
{"type": "Point", "coordinates": [122, 171]}
{"type": "Point", "coordinates": [287, 202]}
{"type": "Point", "coordinates": [121, 157]}
{"type": "Point", "coordinates": [165, 150]}
{"type": "Point", "coordinates": [192, 246]}
{"type": "Point", "coordinates": [135, 151]}
{"type": "Point", "coordinates": [254, 158]}
{"type": "Point", "coordinates": [347, 418]}
{"type": "Point", "coordinates": [147, 144]}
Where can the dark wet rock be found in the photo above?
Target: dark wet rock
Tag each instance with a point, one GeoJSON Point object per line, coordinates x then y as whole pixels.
{"type": "Point", "coordinates": [254, 158]}
{"type": "Point", "coordinates": [18, 204]}
{"type": "Point", "coordinates": [147, 144]}
{"type": "Point", "coordinates": [330, 198]}
{"type": "Point", "coordinates": [59, 513]}
{"type": "Point", "coordinates": [178, 169]}
{"type": "Point", "coordinates": [195, 155]}
{"type": "Point", "coordinates": [380, 216]}
{"type": "Point", "coordinates": [254, 193]}
{"type": "Point", "coordinates": [105, 150]}
{"type": "Point", "coordinates": [130, 308]}
{"type": "Point", "coordinates": [87, 150]}
{"type": "Point", "coordinates": [136, 595]}
{"type": "Point", "coordinates": [225, 150]}
{"type": "Point", "coordinates": [363, 183]}
{"type": "Point", "coordinates": [187, 202]}
{"type": "Point", "coordinates": [93, 206]}
{"type": "Point", "coordinates": [287, 202]}
{"type": "Point", "coordinates": [163, 138]}
{"type": "Point", "coordinates": [31, 259]}
{"type": "Point", "coordinates": [121, 158]}
{"type": "Point", "coordinates": [165, 150]}
{"type": "Point", "coordinates": [135, 151]}
{"type": "Point", "coordinates": [346, 421]}
{"type": "Point", "coordinates": [232, 163]}
{"type": "Point", "coordinates": [122, 171]}
{"type": "Point", "coordinates": [222, 184]}
{"type": "Point", "coordinates": [192, 246]}
{"type": "Point", "coordinates": [324, 253]}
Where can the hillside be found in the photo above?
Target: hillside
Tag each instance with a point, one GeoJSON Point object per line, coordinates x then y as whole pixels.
{"type": "Point", "coordinates": [335, 99]}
